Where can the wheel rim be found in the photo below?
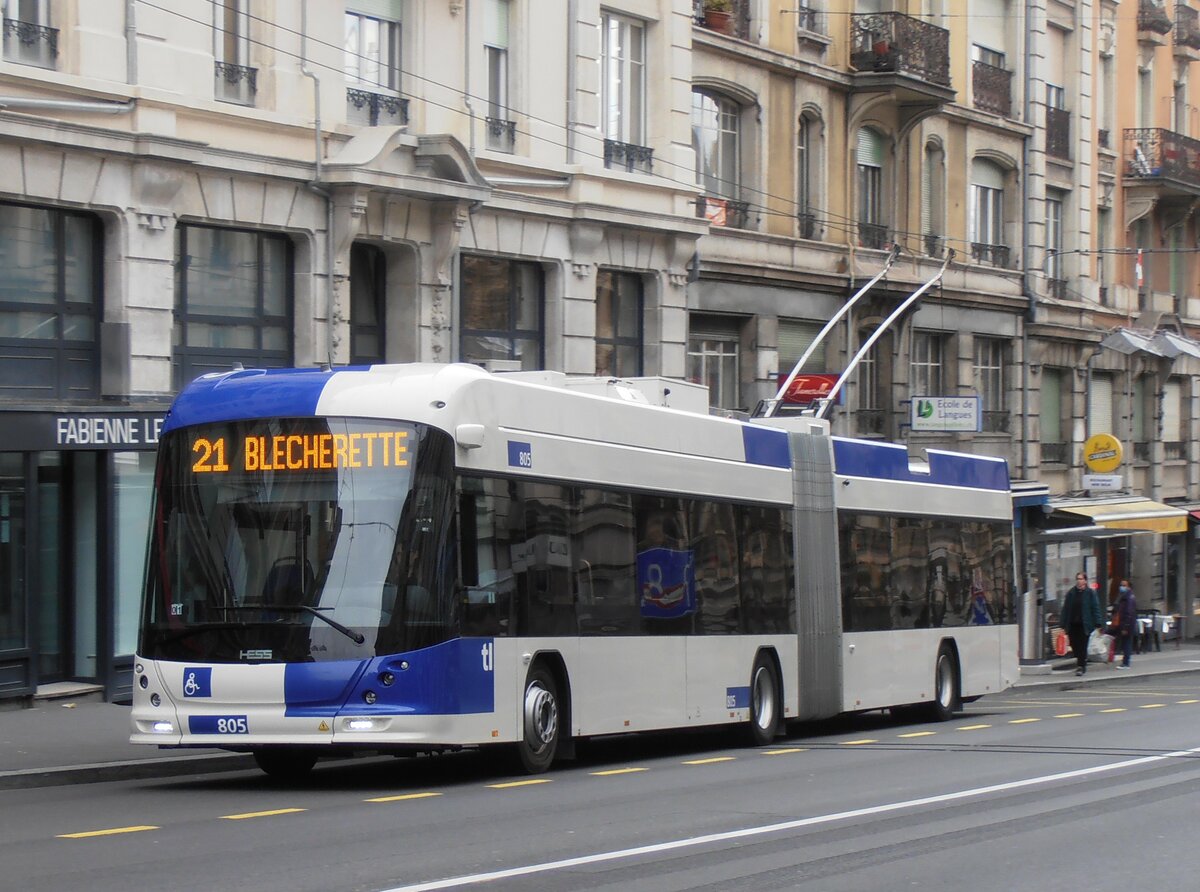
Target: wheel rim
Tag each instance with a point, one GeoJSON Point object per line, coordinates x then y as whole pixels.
{"type": "Point", "coordinates": [945, 682]}
{"type": "Point", "coordinates": [764, 698]}
{"type": "Point", "coordinates": [541, 716]}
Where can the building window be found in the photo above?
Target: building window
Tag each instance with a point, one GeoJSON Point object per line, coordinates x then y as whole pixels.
{"type": "Point", "coordinates": [501, 129]}
{"type": "Point", "coordinates": [1055, 402]}
{"type": "Point", "coordinates": [869, 182]}
{"type": "Point", "coordinates": [1143, 416]}
{"type": "Point", "coordinates": [805, 174]}
{"type": "Point", "coordinates": [1100, 405]}
{"type": "Point", "coordinates": [987, 214]}
{"type": "Point", "coordinates": [990, 362]}
{"type": "Point", "coordinates": [371, 63]}
{"type": "Point", "coordinates": [712, 360]}
{"type": "Point", "coordinates": [236, 81]}
{"type": "Point", "coordinates": [623, 78]}
{"type": "Point", "coordinates": [368, 297]}
{"type": "Point", "coordinates": [618, 324]}
{"type": "Point", "coordinates": [716, 139]}
{"type": "Point", "coordinates": [933, 200]}
{"type": "Point", "coordinates": [1173, 420]}
{"type": "Point", "coordinates": [28, 37]}
{"type": "Point", "coordinates": [873, 396]}
{"type": "Point", "coordinates": [1054, 243]}
{"type": "Point", "coordinates": [501, 311]}
{"type": "Point", "coordinates": [925, 375]}
{"type": "Point", "coordinates": [50, 307]}
{"type": "Point", "coordinates": [233, 301]}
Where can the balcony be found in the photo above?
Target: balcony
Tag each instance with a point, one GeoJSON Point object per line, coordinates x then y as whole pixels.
{"type": "Point", "coordinates": [1187, 33]}
{"type": "Point", "coordinates": [373, 109]}
{"type": "Point", "coordinates": [733, 21]}
{"type": "Point", "coordinates": [809, 20]}
{"type": "Point", "coordinates": [724, 211]}
{"type": "Point", "coordinates": [1153, 22]}
{"type": "Point", "coordinates": [501, 134]}
{"type": "Point", "coordinates": [1174, 451]}
{"type": "Point", "coordinates": [628, 157]}
{"type": "Point", "coordinates": [236, 83]}
{"type": "Point", "coordinates": [991, 88]}
{"type": "Point", "coordinates": [30, 44]}
{"type": "Point", "coordinates": [1055, 453]}
{"type": "Point", "coordinates": [1103, 139]}
{"type": "Point", "coordinates": [872, 235]}
{"type": "Point", "coordinates": [904, 58]}
{"type": "Point", "coordinates": [1057, 288]}
{"type": "Point", "coordinates": [996, 422]}
{"type": "Point", "coordinates": [935, 245]}
{"type": "Point", "coordinates": [997, 255]}
{"type": "Point", "coordinates": [1058, 133]}
{"type": "Point", "coordinates": [1167, 161]}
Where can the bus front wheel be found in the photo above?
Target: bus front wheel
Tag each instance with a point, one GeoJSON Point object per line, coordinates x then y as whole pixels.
{"type": "Point", "coordinates": [765, 709]}
{"type": "Point", "coordinates": [540, 715]}
{"type": "Point", "coordinates": [945, 687]}
{"type": "Point", "coordinates": [286, 764]}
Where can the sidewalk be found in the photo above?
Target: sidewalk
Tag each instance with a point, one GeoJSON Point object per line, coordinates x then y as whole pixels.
{"type": "Point", "coordinates": [60, 742]}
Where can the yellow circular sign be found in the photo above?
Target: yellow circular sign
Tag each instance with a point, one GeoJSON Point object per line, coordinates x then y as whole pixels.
{"type": "Point", "coordinates": [1102, 453]}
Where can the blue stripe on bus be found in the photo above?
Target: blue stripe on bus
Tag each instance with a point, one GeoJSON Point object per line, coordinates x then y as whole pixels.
{"type": "Point", "coordinates": [887, 461]}
{"type": "Point", "coordinates": [737, 698]}
{"type": "Point", "coordinates": [249, 393]}
{"type": "Point", "coordinates": [766, 446]}
{"type": "Point", "coordinates": [452, 678]}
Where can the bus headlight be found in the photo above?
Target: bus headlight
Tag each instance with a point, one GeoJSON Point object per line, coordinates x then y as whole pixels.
{"type": "Point", "coordinates": [163, 728]}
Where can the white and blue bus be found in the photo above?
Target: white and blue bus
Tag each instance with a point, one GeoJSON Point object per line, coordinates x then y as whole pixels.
{"type": "Point", "coordinates": [429, 557]}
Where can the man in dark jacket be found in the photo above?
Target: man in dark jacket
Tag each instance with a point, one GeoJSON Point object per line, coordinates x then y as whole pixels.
{"type": "Point", "coordinates": [1124, 622]}
{"type": "Point", "coordinates": [1079, 615]}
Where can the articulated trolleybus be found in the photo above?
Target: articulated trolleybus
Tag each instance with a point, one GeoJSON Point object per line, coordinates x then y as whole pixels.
{"type": "Point", "coordinates": [422, 557]}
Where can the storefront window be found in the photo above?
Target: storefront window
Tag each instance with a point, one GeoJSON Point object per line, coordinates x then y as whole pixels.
{"type": "Point", "coordinates": [133, 475]}
{"type": "Point", "coordinates": [12, 550]}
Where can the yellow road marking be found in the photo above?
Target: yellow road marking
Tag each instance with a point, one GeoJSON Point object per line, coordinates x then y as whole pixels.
{"type": "Point", "coordinates": [110, 832]}
{"type": "Point", "coordinates": [973, 727]}
{"type": "Point", "coordinates": [919, 734]}
{"type": "Point", "coordinates": [1153, 705]}
{"type": "Point", "coordinates": [1187, 701]}
{"type": "Point", "coordinates": [858, 742]}
{"type": "Point", "coordinates": [610, 772]}
{"type": "Point", "coordinates": [262, 814]}
{"type": "Point", "coordinates": [790, 749]}
{"type": "Point", "coordinates": [402, 797]}
{"type": "Point", "coordinates": [1069, 715]}
{"type": "Point", "coordinates": [1022, 721]}
{"type": "Point", "coordinates": [521, 783]}
{"type": "Point", "coordinates": [709, 761]}
{"type": "Point", "coordinates": [1115, 709]}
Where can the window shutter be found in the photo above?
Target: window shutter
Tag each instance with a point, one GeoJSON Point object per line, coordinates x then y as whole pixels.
{"type": "Point", "coordinates": [1051, 411]}
{"type": "Point", "coordinates": [987, 23]}
{"type": "Point", "coordinates": [927, 174]}
{"type": "Point", "coordinates": [495, 23]}
{"type": "Point", "coordinates": [1100, 415]}
{"type": "Point", "coordinates": [870, 148]}
{"type": "Point", "coordinates": [379, 9]}
{"type": "Point", "coordinates": [722, 327]}
{"type": "Point", "coordinates": [1172, 409]}
{"type": "Point", "coordinates": [794, 339]}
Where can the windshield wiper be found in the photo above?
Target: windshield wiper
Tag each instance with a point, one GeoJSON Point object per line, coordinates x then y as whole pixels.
{"type": "Point", "coordinates": [356, 637]}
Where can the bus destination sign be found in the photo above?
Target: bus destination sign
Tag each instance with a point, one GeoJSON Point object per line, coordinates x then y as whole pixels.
{"type": "Point", "coordinates": [302, 452]}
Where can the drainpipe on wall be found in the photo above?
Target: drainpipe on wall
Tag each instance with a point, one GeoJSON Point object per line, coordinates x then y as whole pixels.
{"type": "Point", "coordinates": [315, 183]}
{"type": "Point", "coordinates": [130, 43]}
{"type": "Point", "coordinates": [572, 49]}
{"type": "Point", "coordinates": [467, 78]}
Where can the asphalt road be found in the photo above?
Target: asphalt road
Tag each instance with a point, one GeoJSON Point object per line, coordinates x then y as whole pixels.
{"type": "Point", "coordinates": [1092, 788]}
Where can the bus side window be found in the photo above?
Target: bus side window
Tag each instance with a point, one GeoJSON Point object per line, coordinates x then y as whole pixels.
{"type": "Point", "coordinates": [487, 579]}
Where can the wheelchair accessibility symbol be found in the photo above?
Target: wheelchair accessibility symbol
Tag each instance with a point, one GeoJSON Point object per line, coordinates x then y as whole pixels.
{"type": "Point", "coordinates": [197, 681]}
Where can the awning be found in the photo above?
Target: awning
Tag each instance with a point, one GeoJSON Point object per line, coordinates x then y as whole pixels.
{"type": "Point", "coordinates": [1142, 515]}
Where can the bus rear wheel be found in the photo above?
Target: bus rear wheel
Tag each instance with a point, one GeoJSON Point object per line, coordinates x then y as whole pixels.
{"type": "Point", "coordinates": [286, 764]}
{"type": "Point", "coordinates": [765, 708]}
{"type": "Point", "coordinates": [539, 715]}
{"type": "Point", "coordinates": [945, 687]}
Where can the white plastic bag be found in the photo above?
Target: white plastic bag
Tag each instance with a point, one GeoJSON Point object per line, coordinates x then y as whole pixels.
{"type": "Point", "coordinates": [1099, 646]}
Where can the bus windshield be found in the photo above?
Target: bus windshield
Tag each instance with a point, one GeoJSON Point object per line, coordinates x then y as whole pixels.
{"type": "Point", "coordinates": [312, 539]}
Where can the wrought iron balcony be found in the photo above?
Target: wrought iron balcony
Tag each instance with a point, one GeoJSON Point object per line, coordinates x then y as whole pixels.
{"type": "Point", "coordinates": [373, 109]}
{"type": "Point", "coordinates": [236, 83]}
{"type": "Point", "coordinates": [1103, 139]}
{"type": "Point", "coordinates": [935, 245]}
{"type": "Point", "coordinates": [991, 88]}
{"type": "Point", "coordinates": [1187, 27]}
{"type": "Point", "coordinates": [30, 44]}
{"type": "Point", "coordinates": [1174, 451]}
{"type": "Point", "coordinates": [1058, 133]}
{"type": "Point", "coordinates": [734, 21]}
{"type": "Point", "coordinates": [1152, 17]}
{"type": "Point", "coordinates": [1057, 288]}
{"type": "Point", "coordinates": [807, 225]}
{"type": "Point", "coordinates": [897, 43]}
{"type": "Point", "coordinates": [501, 134]}
{"type": "Point", "coordinates": [872, 235]}
{"type": "Point", "coordinates": [723, 211]}
{"type": "Point", "coordinates": [628, 156]}
{"type": "Point", "coordinates": [997, 255]}
{"type": "Point", "coordinates": [1152, 153]}
{"type": "Point", "coordinates": [1055, 453]}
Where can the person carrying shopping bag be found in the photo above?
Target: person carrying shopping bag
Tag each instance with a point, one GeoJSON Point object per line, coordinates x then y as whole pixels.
{"type": "Point", "coordinates": [1079, 615]}
{"type": "Point", "coordinates": [1123, 623]}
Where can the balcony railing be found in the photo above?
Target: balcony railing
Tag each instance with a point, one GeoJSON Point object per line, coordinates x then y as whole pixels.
{"type": "Point", "coordinates": [1154, 153]}
{"type": "Point", "coordinates": [807, 225]}
{"type": "Point", "coordinates": [1152, 16]}
{"type": "Point", "coordinates": [735, 22]}
{"type": "Point", "coordinates": [1055, 453]}
{"type": "Point", "coordinates": [236, 83]}
{"type": "Point", "coordinates": [872, 235]}
{"type": "Point", "coordinates": [1103, 139]}
{"type": "Point", "coordinates": [501, 134]}
{"type": "Point", "coordinates": [1058, 133]}
{"type": "Point", "coordinates": [1057, 288]}
{"type": "Point", "coordinates": [894, 42]}
{"type": "Point", "coordinates": [992, 88]}
{"type": "Point", "coordinates": [30, 44]}
{"type": "Point", "coordinates": [1187, 26]}
{"type": "Point", "coordinates": [810, 20]}
{"type": "Point", "coordinates": [996, 255]}
{"type": "Point", "coordinates": [1174, 451]}
{"type": "Point", "coordinates": [935, 245]}
{"type": "Point", "coordinates": [723, 211]}
{"type": "Point", "coordinates": [996, 422]}
{"type": "Point", "coordinates": [1141, 452]}
{"type": "Point", "coordinates": [626, 156]}
{"type": "Point", "coordinates": [373, 109]}
{"type": "Point", "coordinates": [870, 421]}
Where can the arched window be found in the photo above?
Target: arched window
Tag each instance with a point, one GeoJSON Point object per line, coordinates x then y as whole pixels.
{"type": "Point", "coordinates": [933, 199]}
{"type": "Point", "coordinates": [987, 213]}
{"type": "Point", "coordinates": [807, 167]}
{"type": "Point", "coordinates": [869, 155]}
{"type": "Point", "coordinates": [716, 138]}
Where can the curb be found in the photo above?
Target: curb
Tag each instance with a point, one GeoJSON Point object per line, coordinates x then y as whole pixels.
{"type": "Point", "coordinates": [139, 769]}
{"type": "Point", "coordinates": [1063, 684]}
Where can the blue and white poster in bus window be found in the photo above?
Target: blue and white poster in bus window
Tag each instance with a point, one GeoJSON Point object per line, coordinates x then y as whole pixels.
{"type": "Point", "coordinates": [666, 583]}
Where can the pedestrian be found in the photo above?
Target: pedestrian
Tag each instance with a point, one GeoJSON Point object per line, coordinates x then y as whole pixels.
{"type": "Point", "coordinates": [1079, 615]}
{"type": "Point", "coordinates": [1123, 623]}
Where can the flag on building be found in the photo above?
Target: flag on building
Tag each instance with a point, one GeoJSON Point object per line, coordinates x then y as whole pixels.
{"type": "Point", "coordinates": [1138, 269]}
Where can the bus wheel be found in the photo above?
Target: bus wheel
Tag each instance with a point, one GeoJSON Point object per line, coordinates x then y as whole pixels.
{"type": "Point", "coordinates": [539, 739]}
{"type": "Point", "coordinates": [945, 687]}
{"type": "Point", "coordinates": [286, 764]}
{"type": "Point", "coordinates": [765, 711]}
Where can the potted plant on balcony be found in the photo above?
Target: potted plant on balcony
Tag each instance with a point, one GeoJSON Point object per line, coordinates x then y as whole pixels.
{"type": "Point", "coordinates": [718, 15]}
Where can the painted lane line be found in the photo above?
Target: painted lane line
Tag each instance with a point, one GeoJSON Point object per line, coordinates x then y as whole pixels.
{"type": "Point", "coordinates": [1116, 709]}
{"type": "Point", "coordinates": [1187, 701]}
{"type": "Point", "coordinates": [263, 814]}
{"type": "Point", "coordinates": [747, 832]}
{"type": "Point", "coordinates": [1022, 721]}
{"type": "Point", "coordinates": [113, 831]}
{"type": "Point", "coordinates": [614, 771]}
{"type": "Point", "coordinates": [403, 797]}
{"type": "Point", "coordinates": [784, 752]}
{"type": "Point", "coordinates": [918, 734]}
{"type": "Point", "coordinates": [1153, 705]}
{"type": "Point", "coordinates": [1069, 715]}
{"type": "Point", "coordinates": [710, 761]}
{"type": "Point", "coordinates": [973, 727]}
{"type": "Point", "coordinates": [862, 742]}
{"type": "Point", "coordinates": [521, 783]}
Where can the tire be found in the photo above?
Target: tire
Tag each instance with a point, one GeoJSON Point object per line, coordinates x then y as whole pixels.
{"type": "Point", "coordinates": [539, 721]}
{"type": "Point", "coordinates": [286, 764]}
{"type": "Point", "coordinates": [945, 687]}
{"type": "Point", "coordinates": [766, 711]}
